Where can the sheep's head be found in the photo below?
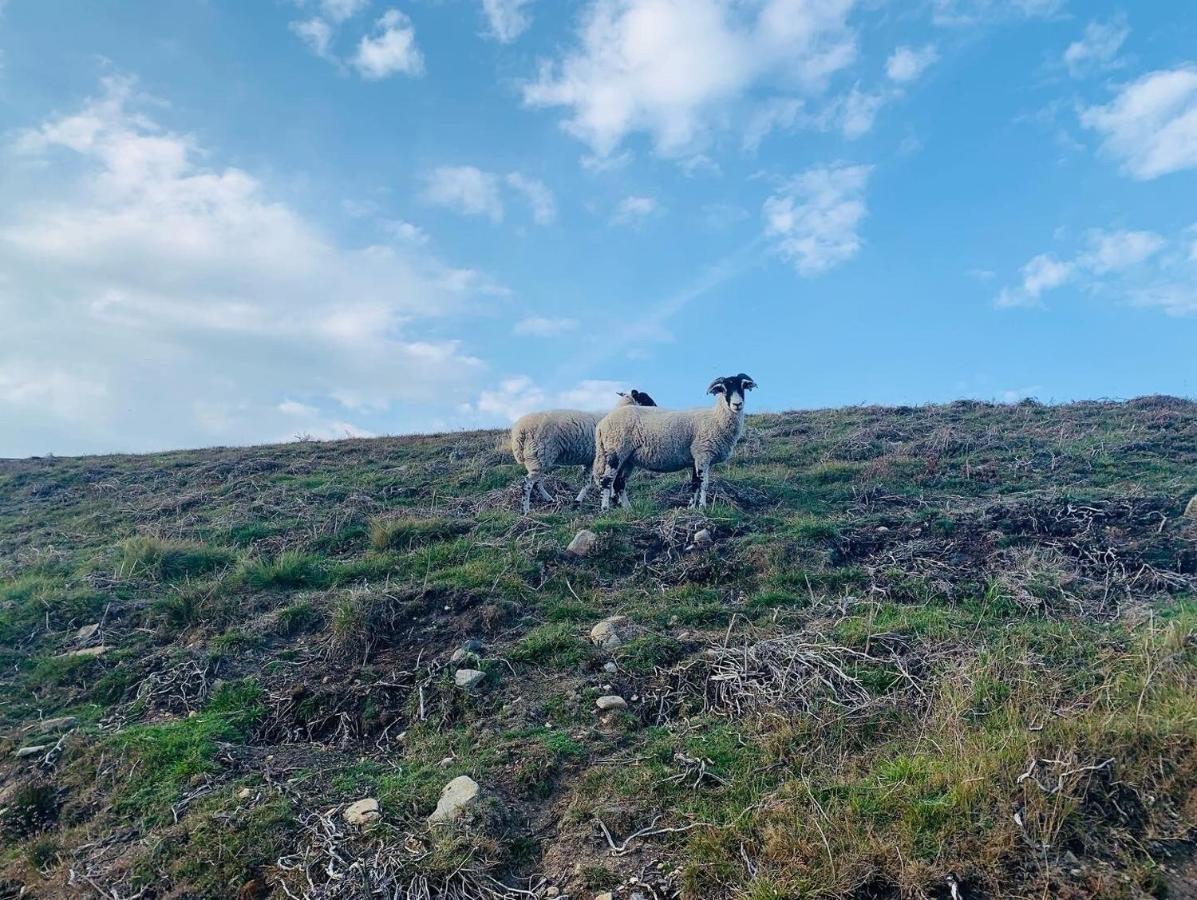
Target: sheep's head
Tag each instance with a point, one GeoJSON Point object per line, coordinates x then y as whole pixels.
{"type": "Point", "coordinates": [636, 398]}
{"type": "Point", "coordinates": [733, 388]}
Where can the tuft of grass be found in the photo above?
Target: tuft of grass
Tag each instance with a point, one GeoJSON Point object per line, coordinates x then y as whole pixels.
{"type": "Point", "coordinates": [556, 645]}
{"type": "Point", "coordinates": [405, 533]}
{"type": "Point", "coordinates": [159, 560]}
{"type": "Point", "coordinates": [287, 570]}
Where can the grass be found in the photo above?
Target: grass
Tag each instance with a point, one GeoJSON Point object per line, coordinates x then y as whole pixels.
{"type": "Point", "coordinates": [1012, 589]}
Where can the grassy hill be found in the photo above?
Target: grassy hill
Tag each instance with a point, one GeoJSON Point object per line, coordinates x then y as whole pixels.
{"type": "Point", "coordinates": [940, 651]}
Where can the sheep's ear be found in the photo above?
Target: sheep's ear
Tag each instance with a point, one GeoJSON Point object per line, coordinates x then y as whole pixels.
{"type": "Point", "coordinates": [717, 387]}
{"type": "Point", "coordinates": [747, 384]}
{"type": "Point", "coordinates": [643, 399]}
{"type": "Point", "coordinates": [622, 394]}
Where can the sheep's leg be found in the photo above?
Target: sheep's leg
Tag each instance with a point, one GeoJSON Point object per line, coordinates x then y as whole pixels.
{"type": "Point", "coordinates": [587, 483]}
{"type": "Point", "coordinates": [621, 485]}
{"type": "Point", "coordinates": [702, 493]}
{"type": "Point", "coordinates": [529, 482]}
{"type": "Point", "coordinates": [544, 493]}
{"type": "Point", "coordinates": [610, 474]}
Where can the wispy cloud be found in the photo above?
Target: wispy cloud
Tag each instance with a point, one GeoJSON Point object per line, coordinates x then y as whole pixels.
{"type": "Point", "coordinates": [1151, 126]}
{"type": "Point", "coordinates": [907, 64]}
{"type": "Point", "coordinates": [508, 19]}
{"type": "Point", "coordinates": [153, 299]}
{"type": "Point", "coordinates": [475, 192]}
{"type": "Point", "coordinates": [672, 68]}
{"type": "Point", "coordinates": [633, 210]}
{"type": "Point", "coordinates": [1097, 49]}
{"type": "Point", "coordinates": [544, 327]}
{"type": "Point", "coordinates": [814, 220]}
{"type": "Point", "coordinates": [1142, 267]}
{"type": "Point", "coordinates": [390, 49]}
{"type": "Point", "coordinates": [539, 197]}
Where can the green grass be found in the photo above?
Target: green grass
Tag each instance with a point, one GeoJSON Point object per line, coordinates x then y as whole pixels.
{"type": "Point", "coordinates": [291, 569]}
{"type": "Point", "coordinates": [405, 533]}
{"type": "Point", "coordinates": [556, 645]}
{"type": "Point", "coordinates": [149, 557]}
{"type": "Point", "coordinates": [164, 759]}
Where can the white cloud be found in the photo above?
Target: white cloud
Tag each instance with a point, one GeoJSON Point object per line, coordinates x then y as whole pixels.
{"type": "Point", "coordinates": [465, 189]}
{"type": "Point", "coordinates": [632, 210]}
{"type": "Point", "coordinates": [1098, 47]}
{"type": "Point", "coordinates": [339, 10]}
{"type": "Point", "coordinates": [814, 220]}
{"type": "Point", "coordinates": [906, 64]}
{"type": "Point", "coordinates": [776, 114]}
{"type": "Point", "coordinates": [1141, 266]}
{"type": "Point", "coordinates": [474, 192]}
{"type": "Point", "coordinates": [508, 19]}
{"type": "Point", "coordinates": [673, 68]}
{"type": "Point", "coordinates": [1114, 250]}
{"type": "Point", "coordinates": [317, 34]}
{"type": "Point", "coordinates": [519, 394]}
{"type": "Point", "coordinates": [390, 49]}
{"type": "Point", "coordinates": [295, 408]}
{"type": "Point", "coordinates": [406, 232]}
{"type": "Point", "coordinates": [150, 299]}
{"type": "Point", "coordinates": [539, 197]}
{"type": "Point", "coordinates": [960, 13]}
{"type": "Point", "coordinates": [1151, 126]}
{"type": "Point", "coordinates": [541, 326]}
{"type": "Point", "coordinates": [856, 112]}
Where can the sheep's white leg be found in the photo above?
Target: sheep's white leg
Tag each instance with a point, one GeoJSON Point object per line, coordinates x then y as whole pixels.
{"type": "Point", "coordinates": [587, 483]}
{"type": "Point", "coordinates": [624, 500]}
{"type": "Point", "coordinates": [529, 481]}
{"type": "Point", "coordinates": [702, 492]}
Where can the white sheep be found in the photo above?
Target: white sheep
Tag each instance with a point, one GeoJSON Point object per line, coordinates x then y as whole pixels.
{"type": "Point", "coordinates": [669, 441]}
{"type": "Point", "coordinates": [560, 437]}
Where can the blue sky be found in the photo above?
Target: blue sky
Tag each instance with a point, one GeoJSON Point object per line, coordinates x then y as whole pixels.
{"type": "Point", "coordinates": [235, 222]}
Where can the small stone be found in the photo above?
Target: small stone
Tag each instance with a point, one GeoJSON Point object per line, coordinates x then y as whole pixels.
{"type": "Point", "coordinates": [552, 892]}
{"type": "Point", "coordinates": [702, 538]}
{"type": "Point", "coordinates": [1191, 509]}
{"type": "Point", "coordinates": [244, 794]}
{"type": "Point", "coordinates": [86, 651]}
{"type": "Point", "coordinates": [468, 679]}
{"type": "Point", "coordinates": [605, 895]}
{"type": "Point", "coordinates": [472, 646]}
{"type": "Point", "coordinates": [582, 543]}
{"type": "Point", "coordinates": [457, 795]}
{"type": "Point", "coordinates": [881, 529]}
{"type": "Point", "coordinates": [610, 702]}
{"type": "Point", "coordinates": [87, 632]}
{"type": "Point", "coordinates": [446, 762]}
{"type": "Point", "coordinates": [612, 632]}
{"type": "Point", "coordinates": [363, 812]}
{"type": "Point", "coordinates": [610, 667]}
{"type": "Point", "coordinates": [33, 750]}
{"type": "Point", "coordinates": [459, 655]}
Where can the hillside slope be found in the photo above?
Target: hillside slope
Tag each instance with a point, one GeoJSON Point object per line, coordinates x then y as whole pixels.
{"type": "Point", "coordinates": [939, 651]}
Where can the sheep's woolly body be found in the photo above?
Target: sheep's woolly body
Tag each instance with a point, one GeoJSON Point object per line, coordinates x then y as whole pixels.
{"type": "Point", "coordinates": [667, 440]}
{"type": "Point", "coordinates": [558, 437]}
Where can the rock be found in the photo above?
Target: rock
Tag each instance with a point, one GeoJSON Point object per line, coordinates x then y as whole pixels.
{"type": "Point", "coordinates": [62, 723]}
{"type": "Point", "coordinates": [244, 794]}
{"type": "Point", "coordinates": [472, 646]}
{"type": "Point", "coordinates": [1191, 509]}
{"type": "Point", "coordinates": [702, 538]}
{"type": "Point", "coordinates": [363, 812]}
{"type": "Point", "coordinates": [456, 797]}
{"type": "Point", "coordinates": [446, 762]}
{"type": "Point", "coordinates": [87, 632]}
{"type": "Point", "coordinates": [612, 632]}
{"type": "Point", "coordinates": [611, 702]}
{"type": "Point", "coordinates": [33, 750]}
{"type": "Point", "coordinates": [552, 892]}
{"type": "Point", "coordinates": [86, 651]}
{"type": "Point", "coordinates": [605, 895]}
{"type": "Point", "coordinates": [610, 667]}
{"type": "Point", "coordinates": [468, 679]}
{"type": "Point", "coordinates": [460, 655]}
{"type": "Point", "coordinates": [582, 543]}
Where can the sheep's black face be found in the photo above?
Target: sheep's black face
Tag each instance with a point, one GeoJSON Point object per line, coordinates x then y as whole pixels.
{"type": "Point", "coordinates": [733, 388]}
{"type": "Point", "coordinates": [642, 399]}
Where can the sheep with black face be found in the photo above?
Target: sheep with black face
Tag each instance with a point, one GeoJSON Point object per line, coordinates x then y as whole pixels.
{"type": "Point", "coordinates": [670, 440]}
{"type": "Point", "coordinates": [560, 437]}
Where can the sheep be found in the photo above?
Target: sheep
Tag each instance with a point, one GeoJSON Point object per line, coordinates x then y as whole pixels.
{"type": "Point", "coordinates": [560, 437]}
{"type": "Point", "coordinates": [669, 441]}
